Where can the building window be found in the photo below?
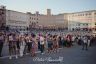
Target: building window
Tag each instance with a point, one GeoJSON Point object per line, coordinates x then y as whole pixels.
{"type": "Point", "coordinates": [86, 24]}
{"type": "Point", "coordinates": [86, 14]}
{"type": "Point", "coordinates": [95, 23]}
{"type": "Point", "coordinates": [83, 24]}
{"type": "Point", "coordinates": [89, 13]}
{"type": "Point", "coordinates": [83, 14]}
{"type": "Point", "coordinates": [32, 18]}
{"type": "Point", "coordinates": [80, 14]}
{"type": "Point", "coordinates": [78, 24]}
{"type": "Point", "coordinates": [95, 13]}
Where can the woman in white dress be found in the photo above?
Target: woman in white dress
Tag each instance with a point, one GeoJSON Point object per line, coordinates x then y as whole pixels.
{"type": "Point", "coordinates": [22, 45]}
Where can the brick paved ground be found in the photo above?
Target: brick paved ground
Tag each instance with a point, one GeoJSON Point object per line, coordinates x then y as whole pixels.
{"type": "Point", "coordinates": [73, 55]}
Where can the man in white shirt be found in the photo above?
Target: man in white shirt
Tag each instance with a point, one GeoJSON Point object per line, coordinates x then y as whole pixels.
{"type": "Point", "coordinates": [85, 43]}
{"type": "Point", "coordinates": [42, 44]}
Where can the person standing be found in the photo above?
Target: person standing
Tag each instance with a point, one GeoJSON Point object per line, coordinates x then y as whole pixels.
{"type": "Point", "coordinates": [1, 42]}
{"type": "Point", "coordinates": [42, 42]}
{"type": "Point", "coordinates": [28, 43]}
{"type": "Point", "coordinates": [55, 43]}
{"type": "Point", "coordinates": [38, 40]}
{"type": "Point", "coordinates": [63, 41]}
{"type": "Point", "coordinates": [69, 40]}
{"type": "Point", "coordinates": [60, 41]}
{"type": "Point", "coordinates": [15, 44]}
{"type": "Point", "coordinates": [12, 44]}
{"type": "Point", "coordinates": [22, 45]}
{"type": "Point", "coordinates": [49, 40]}
{"type": "Point", "coordinates": [85, 43]}
{"type": "Point", "coordinates": [18, 43]}
{"type": "Point", "coordinates": [89, 38]}
{"type": "Point", "coordinates": [34, 45]}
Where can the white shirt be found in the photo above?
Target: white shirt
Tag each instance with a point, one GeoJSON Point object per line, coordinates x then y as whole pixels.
{"type": "Point", "coordinates": [85, 40]}
{"type": "Point", "coordinates": [41, 40]}
{"type": "Point", "coordinates": [10, 38]}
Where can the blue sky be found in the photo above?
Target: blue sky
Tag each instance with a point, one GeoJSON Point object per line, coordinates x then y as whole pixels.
{"type": "Point", "coordinates": [57, 6]}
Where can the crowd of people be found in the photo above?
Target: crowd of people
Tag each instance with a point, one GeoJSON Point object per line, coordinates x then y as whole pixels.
{"type": "Point", "coordinates": [20, 43]}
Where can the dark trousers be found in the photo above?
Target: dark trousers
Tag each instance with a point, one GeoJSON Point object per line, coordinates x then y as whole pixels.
{"type": "Point", "coordinates": [1, 46]}
{"type": "Point", "coordinates": [42, 48]}
{"type": "Point", "coordinates": [85, 46]}
{"type": "Point", "coordinates": [68, 43]}
{"type": "Point", "coordinates": [38, 45]}
{"type": "Point", "coordinates": [63, 43]}
{"type": "Point", "coordinates": [29, 46]}
{"type": "Point", "coordinates": [60, 43]}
